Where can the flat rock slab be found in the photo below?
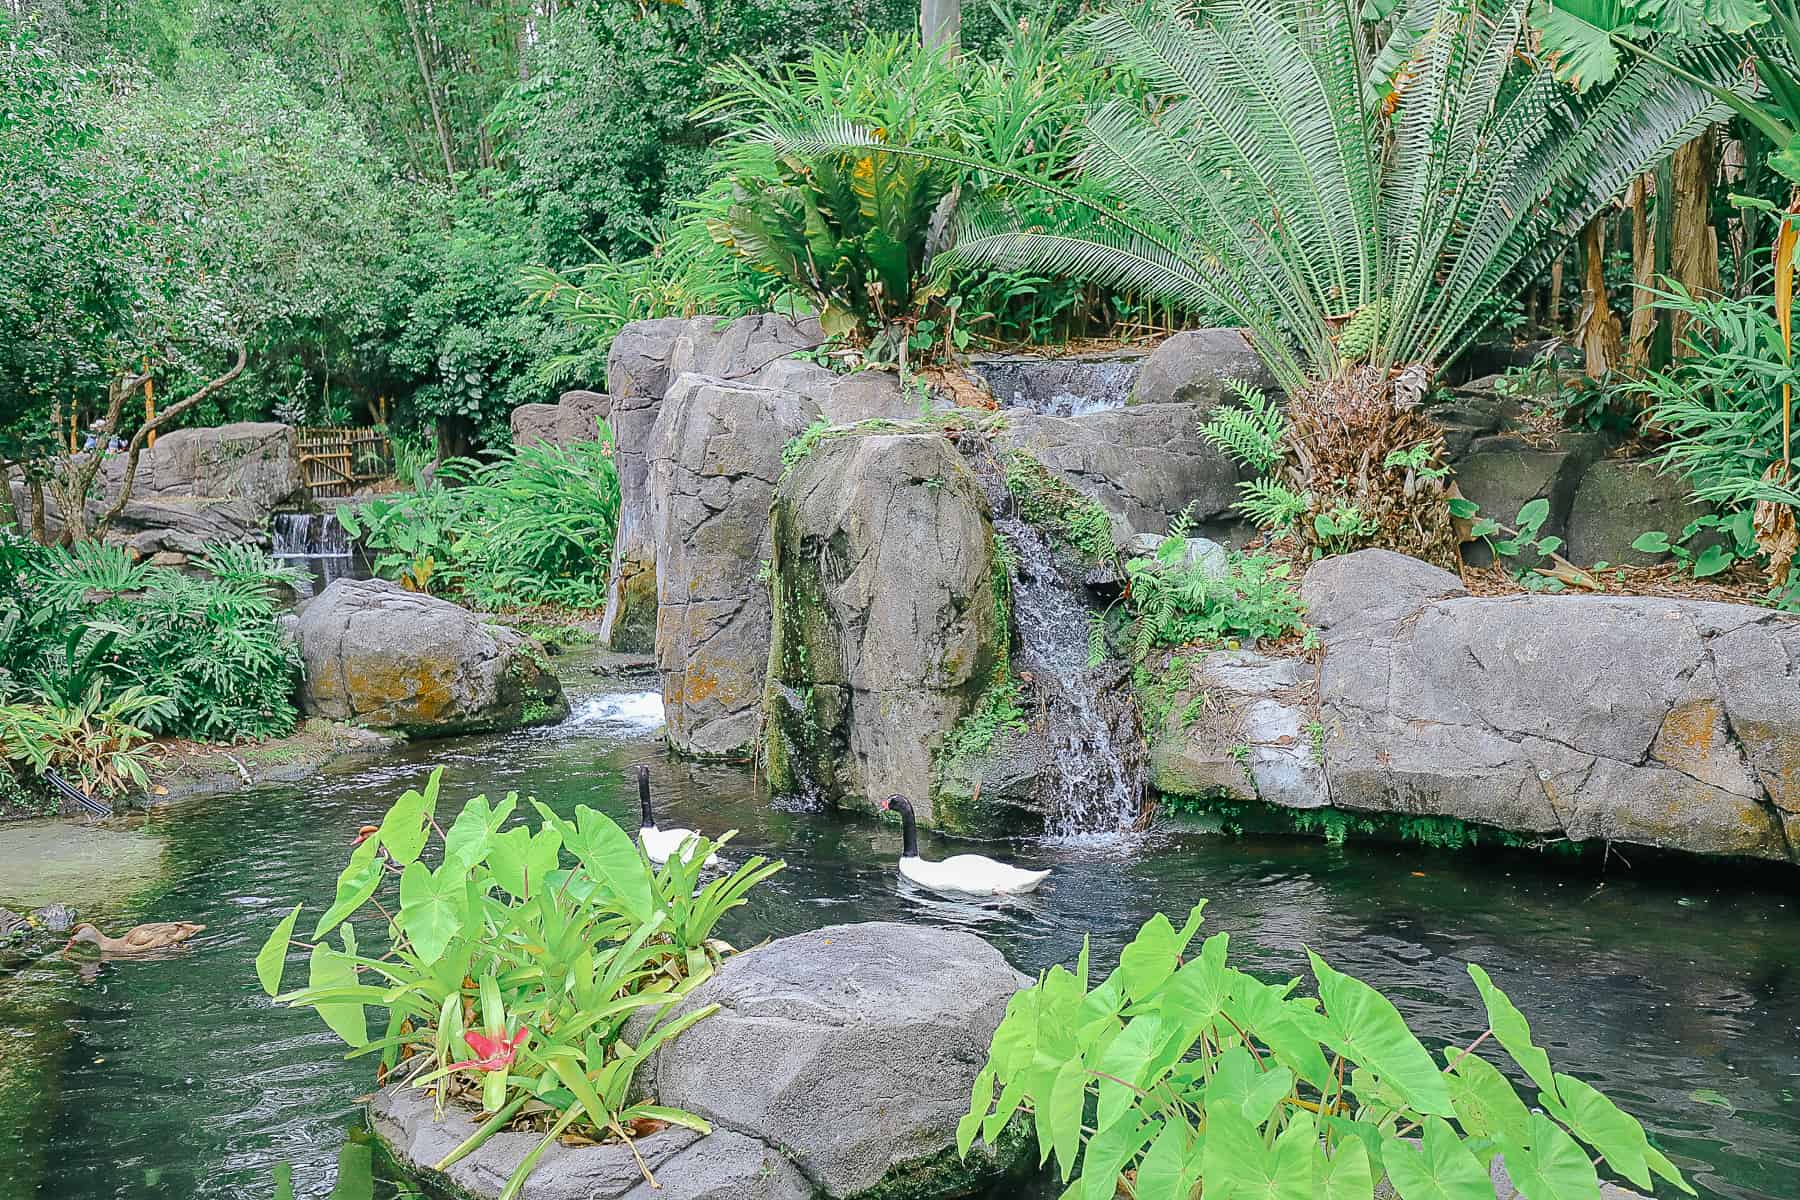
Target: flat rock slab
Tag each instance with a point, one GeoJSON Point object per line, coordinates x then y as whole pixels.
{"type": "Point", "coordinates": [62, 862]}
{"type": "Point", "coordinates": [721, 1166]}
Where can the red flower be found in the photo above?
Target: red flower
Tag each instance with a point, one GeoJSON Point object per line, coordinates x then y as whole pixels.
{"type": "Point", "coordinates": [496, 1054]}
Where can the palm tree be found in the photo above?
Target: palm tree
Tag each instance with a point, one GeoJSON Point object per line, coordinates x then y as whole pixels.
{"type": "Point", "coordinates": [1359, 212]}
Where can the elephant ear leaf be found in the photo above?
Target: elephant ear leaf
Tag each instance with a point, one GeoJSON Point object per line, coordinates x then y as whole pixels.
{"type": "Point", "coordinates": [356, 883]}
{"type": "Point", "coordinates": [403, 830]}
{"type": "Point", "coordinates": [332, 968]}
{"type": "Point", "coordinates": [1365, 1027]}
{"type": "Point", "coordinates": [272, 958]}
{"type": "Point", "coordinates": [1441, 1169]}
{"type": "Point", "coordinates": [1513, 1033]}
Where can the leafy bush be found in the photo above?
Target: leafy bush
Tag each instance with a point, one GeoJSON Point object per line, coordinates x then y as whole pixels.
{"type": "Point", "coordinates": [96, 742]}
{"type": "Point", "coordinates": [502, 949]}
{"type": "Point", "coordinates": [1178, 1074]}
{"type": "Point", "coordinates": [1175, 602]}
{"type": "Point", "coordinates": [94, 626]}
{"type": "Point", "coordinates": [534, 525]}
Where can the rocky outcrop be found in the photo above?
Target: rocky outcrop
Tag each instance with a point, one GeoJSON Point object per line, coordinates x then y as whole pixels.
{"type": "Point", "coordinates": [1619, 499]}
{"type": "Point", "coordinates": [1144, 464]}
{"type": "Point", "coordinates": [1665, 723]}
{"type": "Point", "coordinates": [211, 484]}
{"type": "Point", "coordinates": [723, 1165]}
{"type": "Point", "coordinates": [574, 418]}
{"type": "Point", "coordinates": [885, 627]}
{"type": "Point", "coordinates": [1063, 386]}
{"type": "Point", "coordinates": [1194, 367]}
{"type": "Point", "coordinates": [637, 375]}
{"type": "Point", "coordinates": [714, 459]}
{"type": "Point", "coordinates": [852, 1049]}
{"type": "Point", "coordinates": [646, 358]}
{"type": "Point", "coordinates": [384, 658]}
{"type": "Point", "coordinates": [836, 1068]}
{"type": "Point", "coordinates": [1505, 471]}
{"type": "Point", "coordinates": [1238, 724]}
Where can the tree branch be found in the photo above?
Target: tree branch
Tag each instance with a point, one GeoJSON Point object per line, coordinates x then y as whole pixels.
{"type": "Point", "coordinates": [149, 427]}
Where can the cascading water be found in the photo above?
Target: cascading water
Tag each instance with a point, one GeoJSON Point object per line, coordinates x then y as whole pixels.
{"type": "Point", "coordinates": [1060, 387]}
{"type": "Point", "coordinates": [1096, 785]}
{"type": "Point", "coordinates": [317, 544]}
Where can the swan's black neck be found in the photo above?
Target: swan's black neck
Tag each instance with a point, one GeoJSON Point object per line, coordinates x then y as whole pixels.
{"type": "Point", "coordinates": [909, 830]}
{"type": "Point", "coordinates": [644, 797]}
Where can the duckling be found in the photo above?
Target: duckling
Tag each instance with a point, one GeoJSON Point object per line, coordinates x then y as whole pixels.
{"type": "Point", "coordinates": [143, 939]}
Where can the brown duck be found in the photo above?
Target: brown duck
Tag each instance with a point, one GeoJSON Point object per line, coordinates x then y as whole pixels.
{"type": "Point", "coordinates": [158, 935]}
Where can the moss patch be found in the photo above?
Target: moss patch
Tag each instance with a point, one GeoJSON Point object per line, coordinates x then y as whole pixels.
{"type": "Point", "coordinates": [1239, 817]}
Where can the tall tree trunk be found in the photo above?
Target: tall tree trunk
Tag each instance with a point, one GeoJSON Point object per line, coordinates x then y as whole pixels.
{"type": "Point", "coordinates": [940, 23]}
{"type": "Point", "coordinates": [1693, 242]}
{"type": "Point", "coordinates": [1597, 329]}
{"type": "Point", "coordinates": [430, 85]}
{"type": "Point", "coordinates": [1556, 282]}
{"type": "Point", "coordinates": [9, 513]}
{"type": "Point", "coordinates": [1643, 272]}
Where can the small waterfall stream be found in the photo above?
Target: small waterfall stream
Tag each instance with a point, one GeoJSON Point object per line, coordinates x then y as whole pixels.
{"type": "Point", "coordinates": [1069, 386]}
{"type": "Point", "coordinates": [1097, 782]}
{"type": "Point", "coordinates": [316, 543]}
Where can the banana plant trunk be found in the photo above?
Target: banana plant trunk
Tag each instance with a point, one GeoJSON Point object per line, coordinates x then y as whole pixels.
{"type": "Point", "coordinates": [940, 23]}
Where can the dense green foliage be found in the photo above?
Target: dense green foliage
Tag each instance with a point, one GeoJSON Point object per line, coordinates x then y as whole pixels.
{"type": "Point", "coordinates": [98, 653]}
{"type": "Point", "coordinates": [533, 525]}
{"type": "Point", "coordinates": [1182, 1074]}
{"type": "Point", "coordinates": [532, 965]}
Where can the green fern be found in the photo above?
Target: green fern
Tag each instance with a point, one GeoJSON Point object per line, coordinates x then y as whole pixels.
{"type": "Point", "coordinates": [1254, 433]}
{"type": "Point", "coordinates": [1268, 504]}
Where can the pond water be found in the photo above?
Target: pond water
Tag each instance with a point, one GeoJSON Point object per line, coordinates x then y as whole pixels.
{"type": "Point", "coordinates": [177, 1078]}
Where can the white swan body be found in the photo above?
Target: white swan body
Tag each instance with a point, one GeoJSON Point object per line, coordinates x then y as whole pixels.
{"type": "Point", "coordinates": [660, 845]}
{"type": "Point", "coordinates": [962, 874]}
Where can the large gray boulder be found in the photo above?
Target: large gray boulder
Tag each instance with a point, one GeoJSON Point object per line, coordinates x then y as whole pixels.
{"type": "Point", "coordinates": [723, 1165]}
{"type": "Point", "coordinates": [574, 418]}
{"type": "Point", "coordinates": [1657, 722]}
{"type": "Point", "coordinates": [637, 375]}
{"type": "Point", "coordinates": [885, 628]}
{"type": "Point", "coordinates": [714, 459]}
{"type": "Point", "coordinates": [852, 1049]}
{"type": "Point", "coordinates": [256, 462]}
{"type": "Point", "coordinates": [1619, 499]}
{"type": "Point", "coordinates": [1504, 472]}
{"type": "Point", "coordinates": [385, 658]}
{"type": "Point", "coordinates": [1144, 463]}
{"type": "Point", "coordinates": [745, 347]}
{"type": "Point", "coordinates": [1664, 723]}
{"type": "Point", "coordinates": [1194, 368]}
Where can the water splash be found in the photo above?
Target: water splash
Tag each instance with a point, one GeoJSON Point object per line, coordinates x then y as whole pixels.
{"type": "Point", "coordinates": [638, 712]}
{"type": "Point", "coordinates": [1098, 786]}
{"type": "Point", "coordinates": [1060, 387]}
{"type": "Point", "coordinates": [316, 543]}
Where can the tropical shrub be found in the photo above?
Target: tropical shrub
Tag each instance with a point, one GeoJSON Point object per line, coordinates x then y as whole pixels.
{"type": "Point", "coordinates": [508, 977]}
{"type": "Point", "coordinates": [87, 627]}
{"type": "Point", "coordinates": [96, 742]}
{"type": "Point", "coordinates": [1358, 213]}
{"type": "Point", "coordinates": [1176, 600]}
{"type": "Point", "coordinates": [1178, 1075]}
{"type": "Point", "coordinates": [533, 525]}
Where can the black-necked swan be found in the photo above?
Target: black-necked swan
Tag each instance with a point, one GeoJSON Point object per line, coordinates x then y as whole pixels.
{"type": "Point", "coordinates": [660, 844]}
{"type": "Point", "coordinates": [967, 874]}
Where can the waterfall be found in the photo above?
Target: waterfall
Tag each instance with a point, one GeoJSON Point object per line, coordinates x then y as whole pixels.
{"type": "Point", "coordinates": [1060, 387]}
{"type": "Point", "coordinates": [316, 543]}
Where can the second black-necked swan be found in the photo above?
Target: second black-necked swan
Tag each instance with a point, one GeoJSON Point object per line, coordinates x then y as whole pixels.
{"type": "Point", "coordinates": [660, 845]}
{"type": "Point", "coordinates": [966, 874]}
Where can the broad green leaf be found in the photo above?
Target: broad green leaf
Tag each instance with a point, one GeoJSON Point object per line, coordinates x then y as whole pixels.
{"type": "Point", "coordinates": [1711, 561]}
{"type": "Point", "coordinates": [1068, 1095]}
{"type": "Point", "coordinates": [1551, 1166]}
{"type": "Point", "coordinates": [1127, 1058]}
{"type": "Point", "coordinates": [1109, 1150]}
{"type": "Point", "coordinates": [1603, 1125]}
{"type": "Point", "coordinates": [1347, 1175]}
{"type": "Point", "coordinates": [1262, 1009]}
{"type": "Point", "coordinates": [1485, 1102]}
{"type": "Point", "coordinates": [1170, 1167]}
{"type": "Point", "coordinates": [1240, 1082]}
{"type": "Point", "coordinates": [1462, 508]}
{"type": "Point", "coordinates": [1365, 1027]}
{"type": "Point", "coordinates": [1236, 1165]}
{"type": "Point", "coordinates": [612, 858]}
{"type": "Point", "coordinates": [1577, 35]}
{"type": "Point", "coordinates": [1011, 1096]}
{"type": "Point", "coordinates": [1652, 542]}
{"type": "Point", "coordinates": [356, 883]}
{"type": "Point", "coordinates": [1441, 1169]}
{"type": "Point", "coordinates": [331, 968]}
{"type": "Point", "coordinates": [407, 824]}
{"type": "Point", "coordinates": [981, 1102]}
{"type": "Point", "coordinates": [272, 958]}
{"type": "Point", "coordinates": [466, 841]}
{"type": "Point", "coordinates": [433, 908]}
{"type": "Point", "coordinates": [1513, 1032]}
{"type": "Point", "coordinates": [356, 1173]}
{"type": "Point", "coordinates": [1149, 958]}
{"type": "Point", "coordinates": [521, 860]}
{"type": "Point", "coordinates": [1194, 995]}
{"type": "Point", "coordinates": [1532, 515]}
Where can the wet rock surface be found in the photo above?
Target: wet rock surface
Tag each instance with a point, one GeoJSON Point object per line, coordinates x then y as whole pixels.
{"type": "Point", "coordinates": [1194, 368]}
{"type": "Point", "coordinates": [1665, 723]}
{"type": "Point", "coordinates": [384, 658]}
{"type": "Point", "coordinates": [885, 623]}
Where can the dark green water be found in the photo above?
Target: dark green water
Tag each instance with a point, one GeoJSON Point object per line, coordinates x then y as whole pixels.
{"type": "Point", "coordinates": [176, 1078]}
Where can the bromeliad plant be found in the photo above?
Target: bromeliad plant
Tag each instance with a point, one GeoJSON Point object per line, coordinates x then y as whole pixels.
{"type": "Point", "coordinates": [1179, 1076]}
{"type": "Point", "coordinates": [507, 975]}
